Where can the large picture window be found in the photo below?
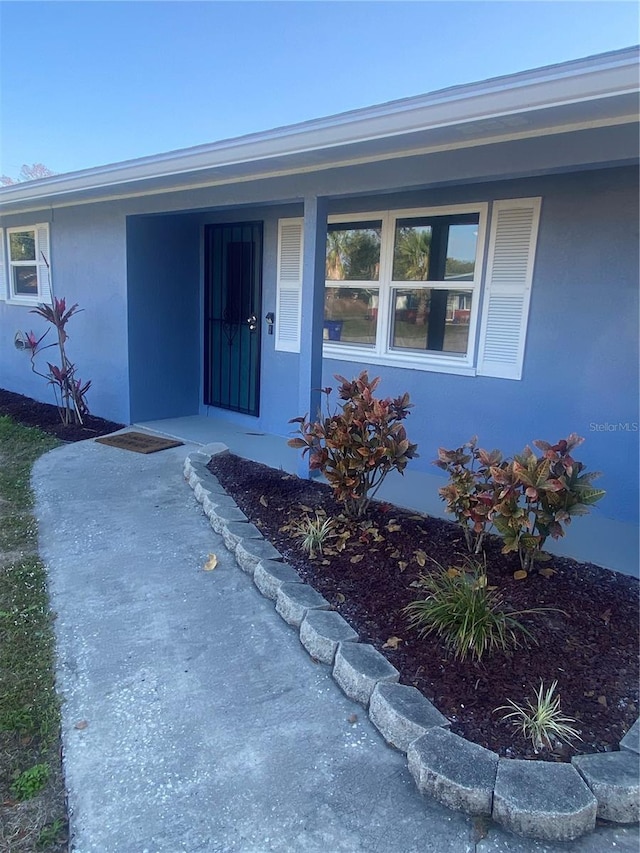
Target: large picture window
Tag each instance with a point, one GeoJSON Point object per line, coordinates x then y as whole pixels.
{"type": "Point", "coordinates": [407, 288]}
{"type": "Point", "coordinates": [403, 284]}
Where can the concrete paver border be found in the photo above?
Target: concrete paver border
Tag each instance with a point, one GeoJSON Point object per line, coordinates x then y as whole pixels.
{"type": "Point", "coordinates": [438, 760]}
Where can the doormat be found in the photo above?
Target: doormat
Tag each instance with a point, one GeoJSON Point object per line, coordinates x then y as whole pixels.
{"type": "Point", "coordinates": [139, 442]}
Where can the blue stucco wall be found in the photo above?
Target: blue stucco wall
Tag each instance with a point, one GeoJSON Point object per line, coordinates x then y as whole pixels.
{"type": "Point", "coordinates": [581, 362]}
{"type": "Point", "coordinates": [163, 281]}
{"type": "Point", "coordinates": [88, 261]}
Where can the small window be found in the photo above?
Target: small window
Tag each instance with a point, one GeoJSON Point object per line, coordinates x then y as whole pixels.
{"type": "Point", "coordinates": [22, 259]}
{"type": "Point", "coordinates": [28, 264]}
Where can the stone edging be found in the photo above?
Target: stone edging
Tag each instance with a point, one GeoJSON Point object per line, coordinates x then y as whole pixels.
{"type": "Point", "coordinates": [536, 799]}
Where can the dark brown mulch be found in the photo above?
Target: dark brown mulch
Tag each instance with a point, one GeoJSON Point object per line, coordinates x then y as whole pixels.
{"type": "Point", "coordinates": [46, 417]}
{"type": "Point", "coordinates": [591, 648]}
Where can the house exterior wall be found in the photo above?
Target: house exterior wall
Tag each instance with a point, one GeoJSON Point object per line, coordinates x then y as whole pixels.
{"type": "Point", "coordinates": [88, 264]}
{"type": "Point", "coordinates": [135, 267]}
{"type": "Point", "coordinates": [163, 287]}
{"type": "Point", "coordinates": [581, 360]}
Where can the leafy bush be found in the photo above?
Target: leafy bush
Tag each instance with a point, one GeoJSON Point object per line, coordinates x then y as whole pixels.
{"type": "Point", "coordinates": [70, 392]}
{"type": "Point", "coordinates": [542, 720]}
{"type": "Point", "coordinates": [357, 446]}
{"type": "Point", "coordinates": [30, 782]}
{"type": "Point", "coordinates": [465, 612]}
{"type": "Point", "coordinates": [470, 493]}
{"type": "Point", "coordinates": [526, 499]}
{"type": "Point", "coordinates": [538, 496]}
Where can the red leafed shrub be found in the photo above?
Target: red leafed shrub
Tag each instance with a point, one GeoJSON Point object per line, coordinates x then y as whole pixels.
{"type": "Point", "coordinates": [526, 499]}
{"type": "Point", "coordinates": [356, 446]}
{"type": "Point", "coordinates": [69, 391]}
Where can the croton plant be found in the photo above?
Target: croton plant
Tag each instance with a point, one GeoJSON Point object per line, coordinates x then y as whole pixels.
{"type": "Point", "coordinates": [356, 446]}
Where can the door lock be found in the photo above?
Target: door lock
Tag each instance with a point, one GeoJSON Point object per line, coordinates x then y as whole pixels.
{"type": "Point", "coordinates": [252, 323]}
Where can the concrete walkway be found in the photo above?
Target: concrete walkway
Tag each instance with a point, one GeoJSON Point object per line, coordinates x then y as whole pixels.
{"type": "Point", "coordinates": [193, 720]}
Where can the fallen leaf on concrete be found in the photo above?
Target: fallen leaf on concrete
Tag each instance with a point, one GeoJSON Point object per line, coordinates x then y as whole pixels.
{"type": "Point", "coordinates": [211, 563]}
{"type": "Point", "coordinates": [353, 719]}
{"type": "Point", "coordinates": [82, 724]}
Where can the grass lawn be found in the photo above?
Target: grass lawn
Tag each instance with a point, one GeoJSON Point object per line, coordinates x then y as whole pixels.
{"type": "Point", "coordinates": [32, 802]}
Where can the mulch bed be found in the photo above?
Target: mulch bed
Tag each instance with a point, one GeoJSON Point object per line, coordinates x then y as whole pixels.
{"type": "Point", "coordinates": [46, 417]}
{"type": "Point", "coordinates": [590, 647]}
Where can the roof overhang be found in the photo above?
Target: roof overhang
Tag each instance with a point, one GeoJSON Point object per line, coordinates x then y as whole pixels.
{"type": "Point", "coordinates": [599, 91]}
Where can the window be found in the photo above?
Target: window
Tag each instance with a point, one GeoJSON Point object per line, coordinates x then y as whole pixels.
{"type": "Point", "coordinates": [409, 287]}
{"type": "Point", "coordinates": [352, 282]}
{"type": "Point", "coordinates": [403, 286]}
{"type": "Point", "coordinates": [27, 277]}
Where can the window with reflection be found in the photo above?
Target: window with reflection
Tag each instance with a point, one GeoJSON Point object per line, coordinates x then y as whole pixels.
{"type": "Point", "coordinates": [404, 283]}
{"type": "Point", "coordinates": [353, 251]}
{"type": "Point", "coordinates": [22, 259]}
{"type": "Point", "coordinates": [351, 315]}
{"type": "Point", "coordinates": [435, 248]}
{"type": "Point", "coordinates": [429, 319]}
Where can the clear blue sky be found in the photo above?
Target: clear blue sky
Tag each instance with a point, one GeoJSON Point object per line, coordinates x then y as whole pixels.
{"type": "Point", "coordinates": [88, 83]}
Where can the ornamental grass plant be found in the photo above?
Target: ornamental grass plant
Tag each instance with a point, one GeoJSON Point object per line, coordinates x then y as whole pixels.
{"type": "Point", "coordinates": [466, 613]}
{"type": "Point", "coordinates": [542, 720]}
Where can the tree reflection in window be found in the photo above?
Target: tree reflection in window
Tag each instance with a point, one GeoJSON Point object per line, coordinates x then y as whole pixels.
{"type": "Point", "coordinates": [353, 251]}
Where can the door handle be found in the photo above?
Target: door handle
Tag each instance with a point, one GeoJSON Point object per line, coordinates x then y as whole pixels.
{"type": "Point", "coordinates": [252, 323]}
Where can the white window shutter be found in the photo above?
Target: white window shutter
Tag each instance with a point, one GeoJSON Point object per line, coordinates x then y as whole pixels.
{"type": "Point", "coordinates": [512, 247]}
{"type": "Point", "coordinates": [289, 285]}
{"type": "Point", "coordinates": [4, 291]}
{"type": "Point", "coordinates": [44, 272]}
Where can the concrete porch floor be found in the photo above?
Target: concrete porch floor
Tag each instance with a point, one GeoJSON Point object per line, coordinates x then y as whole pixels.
{"type": "Point", "coordinates": [604, 541]}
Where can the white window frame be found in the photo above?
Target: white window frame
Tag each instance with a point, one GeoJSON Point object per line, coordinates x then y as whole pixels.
{"type": "Point", "coordinates": [383, 353]}
{"type": "Point", "coordinates": [42, 264]}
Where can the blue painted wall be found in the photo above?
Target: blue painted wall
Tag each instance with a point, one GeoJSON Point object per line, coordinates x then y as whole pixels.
{"type": "Point", "coordinates": [88, 261]}
{"type": "Point", "coordinates": [581, 362]}
{"type": "Point", "coordinates": [164, 316]}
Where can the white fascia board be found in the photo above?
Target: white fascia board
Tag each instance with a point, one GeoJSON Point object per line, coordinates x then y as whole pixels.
{"type": "Point", "coordinates": [600, 78]}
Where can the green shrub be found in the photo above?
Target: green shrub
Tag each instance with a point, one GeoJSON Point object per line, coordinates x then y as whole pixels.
{"type": "Point", "coordinates": [357, 446]}
{"type": "Point", "coordinates": [461, 609]}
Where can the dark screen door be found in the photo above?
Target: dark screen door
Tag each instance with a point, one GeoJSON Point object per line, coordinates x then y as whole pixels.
{"type": "Point", "coordinates": [233, 285]}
